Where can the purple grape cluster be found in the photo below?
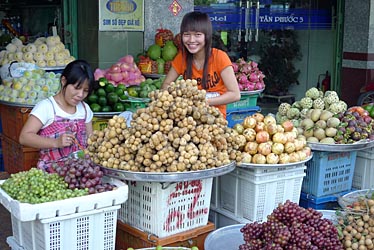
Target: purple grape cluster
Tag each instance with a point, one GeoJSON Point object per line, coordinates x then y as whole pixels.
{"type": "Point", "coordinates": [82, 173]}
{"type": "Point", "coordinates": [291, 227]}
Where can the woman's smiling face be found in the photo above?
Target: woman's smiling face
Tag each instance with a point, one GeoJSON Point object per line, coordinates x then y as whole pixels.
{"type": "Point", "coordinates": [194, 41]}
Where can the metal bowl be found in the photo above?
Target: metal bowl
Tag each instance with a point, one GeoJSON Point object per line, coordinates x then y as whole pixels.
{"type": "Point", "coordinates": [227, 238]}
{"type": "Point", "coordinates": [360, 145]}
{"type": "Point", "coordinates": [168, 176]}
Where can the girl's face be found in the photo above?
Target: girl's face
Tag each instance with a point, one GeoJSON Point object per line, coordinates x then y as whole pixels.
{"type": "Point", "coordinates": [194, 41]}
{"type": "Point", "coordinates": [75, 94]}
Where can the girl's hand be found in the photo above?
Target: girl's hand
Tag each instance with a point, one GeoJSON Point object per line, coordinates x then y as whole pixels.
{"type": "Point", "coordinates": [65, 140]}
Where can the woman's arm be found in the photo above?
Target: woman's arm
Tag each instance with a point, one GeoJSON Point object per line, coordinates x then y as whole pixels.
{"type": "Point", "coordinates": [232, 94]}
{"type": "Point", "coordinates": [171, 76]}
{"type": "Point", "coordinates": [89, 129]}
{"type": "Point", "coordinates": [30, 138]}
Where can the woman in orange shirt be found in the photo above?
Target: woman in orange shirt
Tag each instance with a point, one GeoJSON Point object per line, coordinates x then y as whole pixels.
{"type": "Point", "coordinates": [211, 67]}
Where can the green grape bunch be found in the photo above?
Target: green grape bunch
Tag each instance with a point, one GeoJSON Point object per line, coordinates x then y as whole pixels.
{"type": "Point", "coordinates": [37, 186]}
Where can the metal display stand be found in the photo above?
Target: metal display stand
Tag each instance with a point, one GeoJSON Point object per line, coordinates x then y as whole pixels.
{"type": "Point", "coordinates": [286, 165]}
{"type": "Point", "coordinates": [360, 145]}
{"type": "Point", "coordinates": [168, 176]}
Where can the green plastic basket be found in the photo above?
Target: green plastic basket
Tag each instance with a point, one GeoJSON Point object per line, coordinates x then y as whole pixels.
{"type": "Point", "coordinates": [246, 102]}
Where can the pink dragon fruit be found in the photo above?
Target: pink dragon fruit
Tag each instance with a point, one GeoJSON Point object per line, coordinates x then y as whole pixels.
{"type": "Point", "coordinates": [235, 66]}
{"type": "Point", "coordinates": [253, 77]}
{"type": "Point", "coordinates": [248, 75]}
{"type": "Point", "coordinates": [242, 79]}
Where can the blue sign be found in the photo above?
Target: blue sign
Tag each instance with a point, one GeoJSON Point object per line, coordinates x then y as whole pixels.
{"type": "Point", "coordinates": [232, 17]}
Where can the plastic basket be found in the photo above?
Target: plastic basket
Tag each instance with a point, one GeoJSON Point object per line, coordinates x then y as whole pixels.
{"type": "Point", "coordinates": [246, 102]}
{"type": "Point", "coordinates": [26, 212]}
{"type": "Point", "coordinates": [99, 123]}
{"type": "Point", "coordinates": [164, 209]}
{"type": "Point", "coordinates": [17, 157]}
{"type": "Point", "coordinates": [363, 176]}
{"type": "Point", "coordinates": [94, 229]}
{"type": "Point", "coordinates": [134, 104]}
{"type": "Point", "coordinates": [222, 218]}
{"type": "Point", "coordinates": [252, 194]}
{"type": "Point", "coordinates": [326, 202]}
{"type": "Point", "coordinates": [128, 236]}
{"type": "Point", "coordinates": [13, 244]}
{"type": "Point", "coordinates": [329, 173]}
{"type": "Point", "coordinates": [235, 117]}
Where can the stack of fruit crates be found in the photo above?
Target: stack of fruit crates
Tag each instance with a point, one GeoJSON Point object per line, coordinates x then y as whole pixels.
{"type": "Point", "coordinates": [250, 194]}
{"type": "Point", "coordinates": [174, 213]}
{"type": "Point", "coordinates": [15, 156]}
{"type": "Point", "coordinates": [363, 177]}
{"type": "Point", "coordinates": [328, 175]}
{"type": "Point", "coordinates": [237, 111]}
{"type": "Point", "coordinates": [86, 222]}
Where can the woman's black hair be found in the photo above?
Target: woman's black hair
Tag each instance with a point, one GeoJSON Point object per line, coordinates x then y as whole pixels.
{"type": "Point", "coordinates": [200, 22]}
{"type": "Point", "coordinates": [77, 72]}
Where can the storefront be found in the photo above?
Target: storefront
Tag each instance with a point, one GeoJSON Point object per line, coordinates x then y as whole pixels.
{"type": "Point", "coordinates": [294, 42]}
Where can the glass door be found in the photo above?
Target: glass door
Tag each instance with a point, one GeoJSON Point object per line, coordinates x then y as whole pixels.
{"type": "Point", "coordinates": [294, 41]}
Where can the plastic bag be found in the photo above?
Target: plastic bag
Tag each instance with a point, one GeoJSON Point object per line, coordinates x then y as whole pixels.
{"type": "Point", "coordinates": [128, 116]}
{"type": "Point", "coordinates": [16, 69]}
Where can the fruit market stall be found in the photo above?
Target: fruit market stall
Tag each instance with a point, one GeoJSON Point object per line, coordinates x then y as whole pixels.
{"type": "Point", "coordinates": [166, 157]}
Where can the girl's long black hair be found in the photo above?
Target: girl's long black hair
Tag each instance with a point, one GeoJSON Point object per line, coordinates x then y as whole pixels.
{"type": "Point", "coordinates": [199, 22]}
{"type": "Point", "coordinates": [79, 71]}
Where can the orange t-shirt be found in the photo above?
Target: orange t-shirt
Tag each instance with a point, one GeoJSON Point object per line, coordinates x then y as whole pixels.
{"type": "Point", "coordinates": [218, 61]}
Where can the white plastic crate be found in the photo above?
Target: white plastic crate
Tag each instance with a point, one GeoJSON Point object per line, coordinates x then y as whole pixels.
{"type": "Point", "coordinates": [12, 243]}
{"type": "Point", "coordinates": [252, 194]}
{"type": "Point", "coordinates": [363, 176]}
{"type": "Point", "coordinates": [164, 209]}
{"type": "Point", "coordinates": [30, 212]}
{"type": "Point", "coordinates": [89, 230]}
{"type": "Point", "coordinates": [222, 218]}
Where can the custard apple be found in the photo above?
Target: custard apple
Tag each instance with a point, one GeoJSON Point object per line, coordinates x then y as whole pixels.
{"type": "Point", "coordinates": [296, 104]}
{"type": "Point", "coordinates": [331, 98]}
{"type": "Point", "coordinates": [312, 93]}
{"type": "Point", "coordinates": [321, 94]}
{"type": "Point", "coordinates": [330, 92]}
{"type": "Point", "coordinates": [283, 108]}
{"type": "Point", "coordinates": [280, 118]}
{"type": "Point", "coordinates": [306, 102]}
{"type": "Point", "coordinates": [293, 113]}
{"type": "Point", "coordinates": [338, 107]}
{"type": "Point", "coordinates": [318, 103]}
{"type": "Point", "coordinates": [303, 113]}
{"type": "Point", "coordinates": [295, 122]}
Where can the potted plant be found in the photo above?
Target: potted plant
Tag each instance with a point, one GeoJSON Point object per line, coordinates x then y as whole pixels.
{"type": "Point", "coordinates": [278, 52]}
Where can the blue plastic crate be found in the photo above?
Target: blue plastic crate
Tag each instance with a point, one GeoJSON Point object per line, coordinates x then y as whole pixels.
{"type": "Point", "coordinates": [235, 117]}
{"type": "Point", "coordinates": [246, 102]}
{"type": "Point", "coordinates": [327, 202]}
{"type": "Point", "coordinates": [329, 173]}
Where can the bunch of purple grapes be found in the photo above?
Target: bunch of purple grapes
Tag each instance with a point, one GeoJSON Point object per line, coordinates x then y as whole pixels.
{"type": "Point", "coordinates": [82, 173]}
{"type": "Point", "coordinates": [291, 227]}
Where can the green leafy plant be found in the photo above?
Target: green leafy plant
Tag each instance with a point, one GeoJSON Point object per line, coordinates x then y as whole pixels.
{"type": "Point", "coordinates": [278, 52]}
